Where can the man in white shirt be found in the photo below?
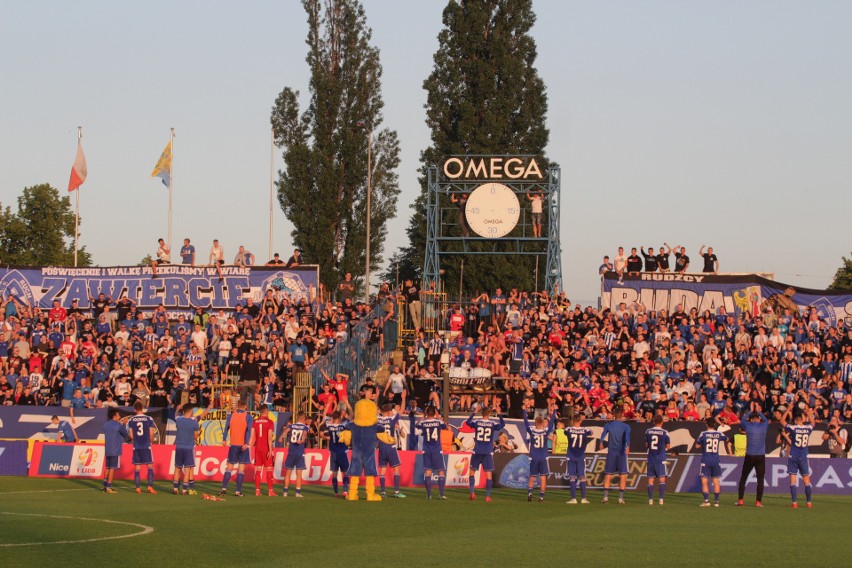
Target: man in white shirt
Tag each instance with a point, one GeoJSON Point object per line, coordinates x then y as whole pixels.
{"type": "Point", "coordinates": [620, 263]}
{"type": "Point", "coordinates": [217, 257]}
{"type": "Point", "coordinates": [163, 257]}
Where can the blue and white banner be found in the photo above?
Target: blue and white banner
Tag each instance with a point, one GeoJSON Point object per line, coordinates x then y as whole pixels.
{"type": "Point", "coordinates": [177, 287]}
{"type": "Point", "coordinates": [738, 294]}
{"type": "Point", "coordinates": [34, 422]}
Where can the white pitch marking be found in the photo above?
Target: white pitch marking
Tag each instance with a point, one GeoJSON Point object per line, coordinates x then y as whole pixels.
{"type": "Point", "coordinates": [145, 529]}
{"type": "Point", "coordinates": [41, 491]}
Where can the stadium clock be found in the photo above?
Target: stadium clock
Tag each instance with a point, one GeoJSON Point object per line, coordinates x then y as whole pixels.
{"type": "Point", "coordinates": [492, 210]}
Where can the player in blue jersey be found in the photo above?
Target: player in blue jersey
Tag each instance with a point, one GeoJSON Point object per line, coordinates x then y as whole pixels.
{"type": "Point", "coordinates": [388, 455]}
{"type": "Point", "coordinates": [66, 432]}
{"type": "Point", "coordinates": [578, 438]}
{"type": "Point", "coordinates": [538, 436]}
{"type": "Point", "coordinates": [430, 429]}
{"type": "Point", "coordinates": [617, 434]}
{"type": "Point", "coordinates": [297, 434]}
{"type": "Point", "coordinates": [187, 429]}
{"type": "Point", "coordinates": [142, 429]}
{"type": "Point", "coordinates": [338, 458]}
{"type": "Point", "coordinates": [238, 433]}
{"type": "Point", "coordinates": [657, 442]}
{"type": "Point", "coordinates": [711, 442]}
{"type": "Point", "coordinates": [485, 431]}
{"type": "Point", "coordinates": [798, 436]}
{"type": "Point", "coordinates": [115, 434]}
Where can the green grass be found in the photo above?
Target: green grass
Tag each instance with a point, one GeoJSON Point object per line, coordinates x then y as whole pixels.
{"type": "Point", "coordinates": [321, 531]}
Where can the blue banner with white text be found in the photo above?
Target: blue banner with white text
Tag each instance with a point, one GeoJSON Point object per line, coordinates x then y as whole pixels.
{"type": "Point", "coordinates": [177, 287]}
{"type": "Point", "coordinates": [737, 294]}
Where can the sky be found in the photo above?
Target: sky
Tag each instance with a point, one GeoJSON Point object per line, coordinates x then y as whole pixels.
{"type": "Point", "coordinates": [721, 123]}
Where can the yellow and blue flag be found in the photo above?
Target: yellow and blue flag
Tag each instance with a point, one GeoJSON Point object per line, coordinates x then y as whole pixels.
{"type": "Point", "coordinates": [163, 169]}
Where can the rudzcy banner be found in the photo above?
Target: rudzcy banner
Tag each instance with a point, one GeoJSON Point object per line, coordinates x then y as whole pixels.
{"type": "Point", "coordinates": [738, 294]}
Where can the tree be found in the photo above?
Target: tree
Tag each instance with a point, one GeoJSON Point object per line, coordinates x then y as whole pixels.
{"type": "Point", "coordinates": [41, 233]}
{"type": "Point", "coordinates": [843, 276]}
{"type": "Point", "coordinates": [323, 187]}
{"type": "Point", "coordinates": [484, 96]}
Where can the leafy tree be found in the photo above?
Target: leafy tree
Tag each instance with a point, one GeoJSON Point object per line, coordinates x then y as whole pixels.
{"type": "Point", "coordinates": [484, 96]}
{"type": "Point", "coordinates": [323, 188]}
{"type": "Point", "coordinates": [41, 233]}
{"type": "Point", "coordinates": [843, 276]}
{"type": "Point", "coordinates": [146, 260]}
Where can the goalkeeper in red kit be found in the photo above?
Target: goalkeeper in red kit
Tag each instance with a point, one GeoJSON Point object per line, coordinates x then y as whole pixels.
{"type": "Point", "coordinates": [261, 443]}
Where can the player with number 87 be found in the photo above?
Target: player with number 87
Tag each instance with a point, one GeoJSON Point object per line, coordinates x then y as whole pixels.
{"type": "Point", "coordinates": [296, 433]}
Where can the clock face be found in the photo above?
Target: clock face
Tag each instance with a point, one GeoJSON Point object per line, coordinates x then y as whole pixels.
{"type": "Point", "coordinates": [492, 210]}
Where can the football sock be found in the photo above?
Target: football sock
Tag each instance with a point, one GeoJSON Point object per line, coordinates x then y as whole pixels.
{"type": "Point", "coordinates": [706, 496]}
{"type": "Point", "coordinates": [270, 480]}
{"type": "Point", "coordinates": [650, 492]}
{"type": "Point", "coordinates": [185, 486]}
{"type": "Point", "coordinates": [175, 484]}
{"type": "Point", "coordinates": [106, 484]}
{"type": "Point", "coordinates": [573, 484]}
{"type": "Point", "coordinates": [583, 489]}
{"type": "Point", "coordinates": [226, 479]}
{"type": "Point", "coordinates": [442, 482]}
{"type": "Point", "coordinates": [621, 494]}
{"type": "Point", "coordinates": [541, 494]}
{"type": "Point", "coordinates": [345, 482]}
{"type": "Point", "coordinates": [150, 477]}
{"type": "Point", "coordinates": [662, 490]}
{"type": "Point", "coordinates": [529, 490]}
{"type": "Point", "coordinates": [716, 497]}
{"type": "Point", "coordinates": [256, 480]}
{"type": "Point", "coordinates": [794, 492]}
{"type": "Point", "coordinates": [192, 484]}
{"type": "Point", "coordinates": [240, 477]}
{"type": "Point", "coordinates": [472, 481]}
{"type": "Point", "coordinates": [396, 483]}
{"type": "Point", "coordinates": [428, 481]}
{"type": "Point", "coordinates": [382, 482]}
{"type": "Point", "coordinates": [334, 484]}
{"type": "Point", "coordinates": [137, 478]}
{"type": "Point", "coordinates": [606, 493]}
{"type": "Point", "coordinates": [488, 484]}
{"type": "Point", "coordinates": [808, 493]}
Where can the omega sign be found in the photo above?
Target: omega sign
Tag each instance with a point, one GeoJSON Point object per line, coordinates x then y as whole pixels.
{"type": "Point", "coordinates": [525, 168]}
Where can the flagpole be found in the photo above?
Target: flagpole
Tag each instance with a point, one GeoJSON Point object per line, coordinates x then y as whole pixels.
{"type": "Point", "coordinates": [271, 185]}
{"type": "Point", "coordinates": [171, 180]}
{"type": "Point", "coordinates": [77, 205]}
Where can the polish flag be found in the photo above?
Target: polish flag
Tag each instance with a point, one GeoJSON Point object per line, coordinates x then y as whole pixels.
{"type": "Point", "coordinates": [78, 170]}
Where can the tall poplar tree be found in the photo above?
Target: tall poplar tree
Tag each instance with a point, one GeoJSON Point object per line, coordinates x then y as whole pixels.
{"type": "Point", "coordinates": [484, 96]}
{"type": "Point", "coordinates": [323, 187]}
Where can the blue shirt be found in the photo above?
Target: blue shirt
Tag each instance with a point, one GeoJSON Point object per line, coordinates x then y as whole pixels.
{"type": "Point", "coordinates": [115, 434]}
{"type": "Point", "coordinates": [388, 424]}
{"type": "Point", "coordinates": [656, 440]}
{"type": "Point", "coordinates": [186, 253]}
{"type": "Point", "coordinates": [431, 432]}
{"type": "Point", "coordinates": [800, 439]}
{"type": "Point", "coordinates": [711, 441]}
{"type": "Point", "coordinates": [185, 431]}
{"type": "Point", "coordinates": [334, 431]}
{"type": "Point", "coordinates": [619, 437]}
{"type": "Point", "coordinates": [484, 432]}
{"type": "Point", "coordinates": [755, 435]}
{"type": "Point", "coordinates": [578, 439]}
{"type": "Point", "coordinates": [66, 431]}
{"type": "Point", "coordinates": [298, 436]}
{"type": "Point", "coordinates": [140, 426]}
{"type": "Point", "coordinates": [538, 438]}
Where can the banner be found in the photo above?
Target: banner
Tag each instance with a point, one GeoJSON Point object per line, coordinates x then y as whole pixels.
{"type": "Point", "coordinates": [87, 460]}
{"type": "Point", "coordinates": [33, 422]}
{"type": "Point", "coordinates": [832, 476]}
{"type": "Point", "coordinates": [738, 294]}
{"type": "Point", "coordinates": [13, 457]}
{"type": "Point", "coordinates": [177, 286]}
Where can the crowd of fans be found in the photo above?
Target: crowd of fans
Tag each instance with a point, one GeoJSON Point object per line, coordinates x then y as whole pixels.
{"type": "Point", "coordinates": [113, 354]}
{"type": "Point", "coordinates": [686, 365]}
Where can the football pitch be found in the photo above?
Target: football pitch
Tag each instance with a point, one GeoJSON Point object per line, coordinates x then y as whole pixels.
{"type": "Point", "coordinates": [70, 523]}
